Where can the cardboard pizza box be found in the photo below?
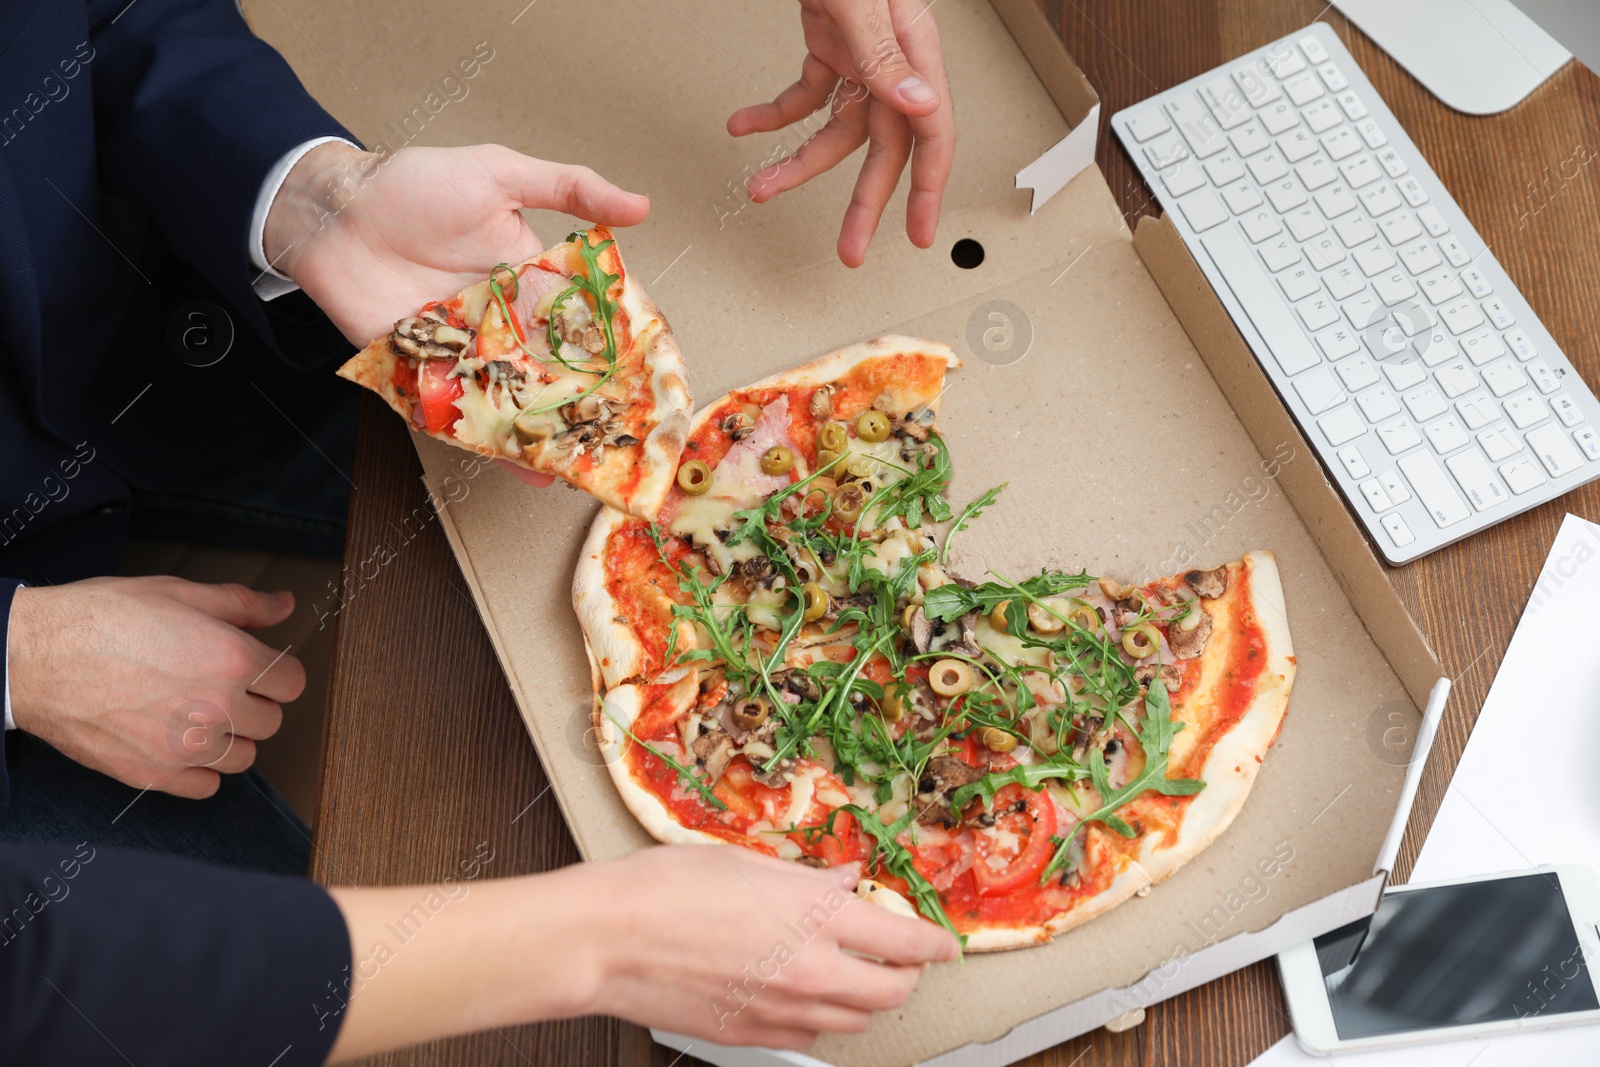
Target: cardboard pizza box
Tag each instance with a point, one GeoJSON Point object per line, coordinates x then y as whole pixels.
{"type": "Point", "coordinates": [1103, 381]}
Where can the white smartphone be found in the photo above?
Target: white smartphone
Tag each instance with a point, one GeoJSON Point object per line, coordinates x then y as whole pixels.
{"type": "Point", "coordinates": [1445, 960]}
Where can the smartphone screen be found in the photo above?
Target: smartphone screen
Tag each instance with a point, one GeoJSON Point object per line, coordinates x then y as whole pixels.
{"type": "Point", "coordinates": [1479, 952]}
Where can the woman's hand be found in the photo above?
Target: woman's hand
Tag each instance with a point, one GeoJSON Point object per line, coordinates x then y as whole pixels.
{"type": "Point", "coordinates": [877, 66]}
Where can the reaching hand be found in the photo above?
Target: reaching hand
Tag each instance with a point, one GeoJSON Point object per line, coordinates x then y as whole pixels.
{"type": "Point", "coordinates": [877, 66]}
{"type": "Point", "coordinates": [371, 239]}
{"type": "Point", "coordinates": [150, 680]}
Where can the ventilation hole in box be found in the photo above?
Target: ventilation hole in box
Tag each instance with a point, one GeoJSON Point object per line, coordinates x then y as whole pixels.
{"type": "Point", "coordinates": [966, 253]}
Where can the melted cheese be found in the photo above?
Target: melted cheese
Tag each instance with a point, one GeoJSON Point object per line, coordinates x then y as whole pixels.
{"type": "Point", "coordinates": [800, 793]}
{"type": "Point", "coordinates": [486, 417]}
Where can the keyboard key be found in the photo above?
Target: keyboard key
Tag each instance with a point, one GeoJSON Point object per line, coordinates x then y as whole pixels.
{"type": "Point", "coordinates": [1377, 404]}
{"type": "Point", "coordinates": [1455, 378]}
{"type": "Point", "coordinates": [1455, 252]}
{"type": "Point", "coordinates": [1444, 505]}
{"type": "Point", "coordinates": [1241, 197]}
{"type": "Point", "coordinates": [1257, 84]}
{"type": "Point", "coordinates": [1336, 343]}
{"type": "Point", "coordinates": [1400, 227]}
{"type": "Point", "coordinates": [1483, 346]}
{"type": "Point", "coordinates": [1193, 119]}
{"type": "Point", "coordinates": [1499, 313]}
{"type": "Point", "coordinates": [1325, 252]}
{"type": "Point", "coordinates": [1202, 209]}
{"type": "Point", "coordinates": [1432, 221]}
{"type": "Point", "coordinates": [1588, 443]}
{"type": "Point", "coordinates": [1318, 312]}
{"type": "Point", "coordinates": [1342, 281]}
{"type": "Point", "coordinates": [1393, 287]}
{"type": "Point", "coordinates": [1503, 377]}
{"type": "Point", "coordinates": [1316, 173]}
{"type": "Point", "coordinates": [1461, 316]}
{"type": "Point", "coordinates": [1435, 348]}
{"type": "Point", "coordinates": [1566, 410]}
{"type": "Point", "coordinates": [1333, 78]}
{"type": "Point", "coordinates": [1340, 143]}
{"type": "Point", "coordinates": [1239, 268]}
{"type": "Point", "coordinates": [1286, 195]}
{"type": "Point", "coordinates": [1226, 104]}
{"type": "Point", "coordinates": [1335, 201]}
{"type": "Point", "coordinates": [1395, 486]}
{"type": "Point", "coordinates": [1267, 167]}
{"type": "Point", "coordinates": [1303, 88]}
{"type": "Point", "coordinates": [1414, 317]}
{"type": "Point", "coordinates": [1374, 495]}
{"type": "Point", "coordinates": [1424, 403]}
{"type": "Point", "coordinates": [1357, 373]}
{"type": "Point", "coordinates": [1321, 116]}
{"type": "Point", "coordinates": [1299, 283]}
{"type": "Point", "coordinates": [1350, 458]}
{"type": "Point", "coordinates": [1352, 105]}
{"type": "Point", "coordinates": [1379, 200]}
{"type": "Point", "coordinates": [1477, 410]}
{"type": "Point", "coordinates": [1147, 123]}
{"type": "Point", "coordinates": [1248, 140]}
{"type": "Point", "coordinates": [1399, 436]}
{"type": "Point", "coordinates": [1280, 254]}
{"type": "Point", "coordinates": [1544, 379]}
{"type": "Point", "coordinates": [1412, 190]}
{"type": "Point", "coordinates": [1476, 479]}
{"type": "Point", "coordinates": [1279, 117]}
{"type": "Point", "coordinates": [1521, 347]}
{"type": "Point", "coordinates": [1404, 373]}
{"type": "Point", "coordinates": [1526, 409]}
{"type": "Point", "coordinates": [1282, 59]}
{"type": "Point", "coordinates": [1439, 286]}
{"type": "Point", "coordinates": [1260, 226]}
{"type": "Point", "coordinates": [1313, 49]}
{"type": "Point", "coordinates": [1499, 442]}
{"type": "Point", "coordinates": [1360, 171]}
{"type": "Point", "coordinates": [1354, 230]}
{"type": "Point", "coordinates": [1183, 178]}
{"type": "Point", "coordinates": [1341, 425]}
{"type": "Point", "coordinates": [1365, 310]}
{"type": "Point", "coordinates": [1372, 133]}
{"type": "Point", "coordinates": [1446, 434]}
{"type": "Point", "coordinates": [1373, 259]}
{"type": "Point", "coordinates": [1398, 531]}
{"type": "Point", "coordinates": [1391, 162]}
{"type": "Point", "coordinates": [1476, 283]}
{"type": "Point", "coordinates": [1555, 450]}
{"type": "Point", "coordinates": [1297, 145]}
{"type": "Point", "coordinates": [1305, 224]}
{"type": "Point", "coordinates": [1522, 474]}
{"type": "Point", "coordinates": [1224, 169]}
{"type": "Point", "coordinates": [1419, 256]}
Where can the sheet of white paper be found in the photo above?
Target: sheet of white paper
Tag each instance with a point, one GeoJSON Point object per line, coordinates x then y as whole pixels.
{"type": "Point", "coordinates": [1530, 754]}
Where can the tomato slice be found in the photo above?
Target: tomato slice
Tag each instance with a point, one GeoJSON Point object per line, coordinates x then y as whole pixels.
{"type": "Point", "coordinates": [741, 792]}
{"type": "Point", "coordinates": [439, 393]}
{"type": "Point", "coordinates": [1021, 863]}
{"type": "Point", "coordinates": [843, 845]}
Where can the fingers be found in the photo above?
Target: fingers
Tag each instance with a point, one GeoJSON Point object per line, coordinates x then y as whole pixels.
{"type": "Point", "coordinates": [876, 932]}
{"type": "Point", "coordinates": [822, 1016]}
{"type": "Point", "coordinates": [194, 783]}
{"type": "Point", "coordinates": [255, 717]}
{"type": "Point", "coordinates": [241, 754]}
{"type": "Point", "coordinates": [935, 132]}
{"type": "Point", "coordinates": [579, 191]}
{"type": "Point", "coordinates": [872, 986]}
{"type": "Point", "coordinates": [523, 474]}
{"type": "Point", "coordinates": [272, 673]}
{"type": "Point", "coordinates": [805, 96]}
{"type": "Point", "coordinates": [868, 30]}
{"type": "Point", "coordinates": [846, 128]}
{"type": "Point", "coordinates": [888, 149]}
{"type": "Point", "coordinates": [234, 604]}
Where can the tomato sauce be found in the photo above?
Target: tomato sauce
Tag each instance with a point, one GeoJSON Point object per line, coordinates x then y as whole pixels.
{"type": "Point", "coordinates": [634, 575]}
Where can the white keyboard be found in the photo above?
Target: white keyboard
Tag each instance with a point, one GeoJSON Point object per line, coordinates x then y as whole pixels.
{"type": "Point", "coordinates": [1437, 400]}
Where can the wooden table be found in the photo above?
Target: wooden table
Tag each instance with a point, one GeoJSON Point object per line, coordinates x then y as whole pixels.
{"type": "Point", "coordinates": [427, 756]}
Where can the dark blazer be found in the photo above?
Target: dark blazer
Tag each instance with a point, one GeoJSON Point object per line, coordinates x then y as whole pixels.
{"type": "Point", "coordinates": [134, 138]}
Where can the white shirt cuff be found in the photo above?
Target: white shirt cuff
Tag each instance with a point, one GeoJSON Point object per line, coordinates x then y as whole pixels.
{"type": "Point", "coordinates": [11, 724]}
{"type": "Point", "coordinates": [270, 284]}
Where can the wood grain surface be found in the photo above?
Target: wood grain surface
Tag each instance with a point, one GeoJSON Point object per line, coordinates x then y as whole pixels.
{"type": "Point", "coordinates": [427, 758]}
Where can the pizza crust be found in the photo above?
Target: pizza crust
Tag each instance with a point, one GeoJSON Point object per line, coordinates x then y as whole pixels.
{"type": "Point", "coordinates": [622, 705]}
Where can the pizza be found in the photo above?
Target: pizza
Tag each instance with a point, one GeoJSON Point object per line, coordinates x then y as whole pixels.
{"type": "Point", "coordinates": [783, 659]}
{"type": "Point", "coordinates": [562, 365]}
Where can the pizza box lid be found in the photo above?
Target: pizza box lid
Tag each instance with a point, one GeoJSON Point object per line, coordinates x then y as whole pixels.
{"type": "Point", "coordinates": [1103, 381]}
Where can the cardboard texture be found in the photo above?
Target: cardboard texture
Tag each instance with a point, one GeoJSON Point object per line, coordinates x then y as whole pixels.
{"type": "Point", "coordinates": [1124, 449]}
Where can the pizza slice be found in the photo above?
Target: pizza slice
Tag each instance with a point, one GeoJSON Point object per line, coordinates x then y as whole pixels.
{"type": "Point", "coordinates": [561, 364]}
{"type": "Point", "coordinates": [784, 660]}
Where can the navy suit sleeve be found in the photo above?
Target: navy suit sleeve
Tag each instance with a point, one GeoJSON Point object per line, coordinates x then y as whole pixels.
{"type": "Point", "coordinates": [8, 591]}
{"type": "Point", "coordinates": [110, 956]}
{"type": "Point", "coordinates": [192, 111]}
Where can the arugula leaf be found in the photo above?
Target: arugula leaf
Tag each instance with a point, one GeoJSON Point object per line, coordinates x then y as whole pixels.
{"type": "Point", "coordinates": [890, 855]}
{"type": "Point", "coordinates": [952, 601]}
{"type": "Point", "coordinates": [971, 511]}
{"type": "Point", "coordinates": [687, 776]}
{"type": "Point", "coordinates": [1029, 776]}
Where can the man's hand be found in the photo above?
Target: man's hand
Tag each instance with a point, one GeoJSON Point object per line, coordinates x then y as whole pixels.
{"type": "Point", "coordinates": [877, 66]}
{"type": "Point", "coordinates": [150, 680]}
{"type": "Point", "coordinates": [371, 239]}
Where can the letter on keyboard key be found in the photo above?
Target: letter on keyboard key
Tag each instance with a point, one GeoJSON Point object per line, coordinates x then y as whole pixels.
{"type": "Point", "coordinates": [1226, 103]}
{"type": "Point", "coordinates": [1316, 173]}
{"type": "Point", "coordinates": [1544, 378]}
{"type": "Point", "coordinates": [1318, 312]}
{"type": "Point", "coordinates": [1241, 197]}
{"type": "Point", "coordinates": [1521, 347]}
{"type": "Point", "coordinates": [1335, 202]}
{"type": "Point", "coordinates": [1477, 480]}
{"type": "Point", "coordinates": [1183, 177]}
{"type": "Point", "coordinates": [1566, 410]}
{"type": "Point", "coordinates": [1461, 316]}
{"type": "Point", "coordinates": [1440, 285]}
{"type": "Point", "coordinates": [1393, 287]}
{"type": "Point", "coordinates": [1224, 169]}
{"type": "Point", "coordinates": [1305, 224]}
{"type": "Point", "coordinates": [1279, 117]}
{"type": "Point", "coordinates": [1455, 251]}
{"type": "Point", "coordinates": [1444, 504]}
{"type": "Point", "coordinates": [1400, 227]}
{"type": "Point", "coordinates": [1267, 167]}
{"type": "Point", "coordinates": [1248, 140]}
{"type": "Point", "coordinates": [1286, 195]}
{"type": "Point", "coordinates": [1341, 143]}
{"type": "Point", "coordinates": [1322, 115]}
{"type": "Point", "coordinates": [1476, 283]}
{"type": "Point", "coordinates": [1337, 342]}
{"type": "Point", "coordinates": [1379, 199]}
{"type": "Point", "coordinates": [1318, 389]}
{"type": "Point", "coordinates": [1298, 283]}
{"type": "Point", "coordinates": [1303, 88]}
{"type": "Point", "coordinates": [1499, 313]}
{"type": "Point", "coordinates": [1483, 346]}
{"type": "Point", "coordinates": [1360, 172]}
{"type": "Point", "coordinates": [1202, 209]}
{"type": "Point", "coordinates": [1588, 443]}
{"type": "Point", "coordinates": [1254, 291]}
{"type": "Point", "coordinates": [1195, 122]}
{"type": "Point", "coordinates": [1522, 474]}
{"type": "Point", "coordinates": [1455, 378]}
{"type": "Point", "coordinates": [1341, 425]}
{"type": "Point", "coordinates": [1279, 254]}
{"type": "Point", "coordinates": [1257, 84]}
{"type": "Point", "coordinates": [1419, 256]}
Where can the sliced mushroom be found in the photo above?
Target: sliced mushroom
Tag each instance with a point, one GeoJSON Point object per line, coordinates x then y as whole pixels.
{"type": "Point", "coordinates": [1209, 584]}
{"type": "Point", "coordinates": [1170, 673]}
{"type": "Point", "coordinates": [590, 408]}
{"type": "Point", "coordinates": [1187, 644]}
{"type": "Point", "coordinates": [593, 340]}
{"type": "Point", "coordinates": [800, 684]}
{"type": "Point", "coordinates": [942, 776]}
{"type": "Point", "coordinates": [822, 402]}
{"type": "Point", "coordinates": [921, 630]}
{"type": "Point", "coordinates": [713, 748]}
{"type": "Point", "coordinates": [758, 570]}
{"type": "Point", "coordinates": [428, 337]}
{"type": "Point", "coordinates": [738, 425]}
{"type": "Point", "coordinates": [911, 428]}
{"type": "Point", "coordinates": [969, 635]}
